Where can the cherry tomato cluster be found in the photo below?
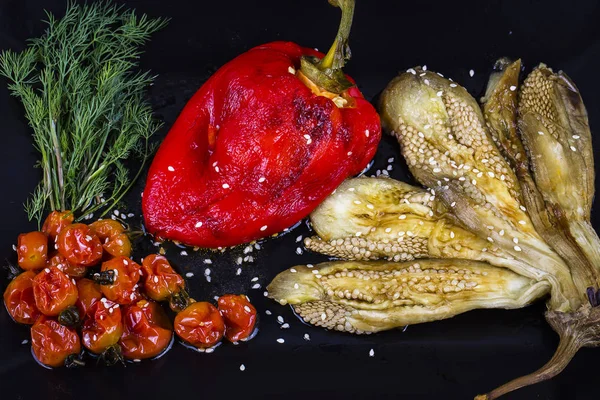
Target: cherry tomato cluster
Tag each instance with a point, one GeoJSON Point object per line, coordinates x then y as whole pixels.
{"type": "Point", "coordinates": [79, 286]}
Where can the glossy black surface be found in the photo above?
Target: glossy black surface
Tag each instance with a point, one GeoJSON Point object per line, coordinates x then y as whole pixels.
{"type": "Point", "coordinates": [453, 359]}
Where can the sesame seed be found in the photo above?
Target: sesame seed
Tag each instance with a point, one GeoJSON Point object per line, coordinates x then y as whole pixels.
{"type": "Point", "coordinates": [25, 341]}
{"type": "Point", "coordinates": [265, 293]}
{"type": "Point", "coordinates": [306, 336]}
{"type": "Point", "coordinates": [123, 216]}
{"type": "Point", "coordinates": [207, 261]}
{"type": "Point", "coordinates": [268, 312]}
{"type": "Point", "coordinates": [285, 326]}
{"type": "Point", "coordinates": [522, 222]}
{"type": "Point", "coordinates": [576, 137]}
{"type": "Point", "coordinates": [402, 216]}
{"type": "Point", "coordinates": [573, 148]}
{"type": "Point", "coordinates": [47, 270]}
{"type": "Point", "coordinates": [263, 228]}
{"type": "Point", "coordinates": [130, 215]}
{"type": "Point", "coordinates": [189, 274]}
{"type": "Point", "coordinates": [452, 234]}
{"type": "Point", "coordinates": [501, 232]}
{"type": "Point", "coordinates": [239, 271]}
{"type": "Point", "coordinates": [367, 133]}
{"type": "Point", "coordinates": [490, 239]}
{"type": "Point", "coordinates": [439, 93]}
{"type": "Point", "coordinates": [349, 153]}
{"type": "Point", "coordinates": [516, 240]}
{"type": "Point", "coordinates": [437, 170]}
{"type": "Point", "coordinates": [137, 360]}
{"type": "Point", "coordinates": [242, 367]}
{"type": "Point", "coordinates": [426, 81]}
{"type": "Point", "coordinates": [183, 253]}
{"type": "Point", "coordinates": [216, 169]}
{"type": "Point", "coordinates": [540, 133]}
{"type": "Point", "coordinates": [356, 201]}
{"type": "Point", "coordinates": [225, 186]}
{"type": "Point", "coordinates": [298, 250]}
{"type": "Point", "coordinates": [247, 309]}
{"type": "Point", "coordinates": [412, 71]}
{"type": "Point", "coordinates": [453, 85]}
{"type": "Point", "coordinates": [471, 73]}
{"type": "Point", "coordinates": [170, 168]}
{"type": "Point", "coordinates": [522, 208]}
{"type": "Point", "coordinates": [513, 88]}
{"type": "Point", "coordinates": [208, 278]}
{"type": "Point", "coordinates": [207, 271]}
{"type": "Point", "coordinates": [453, 204]}
{"type": "Point", "coordinates": [517, 248]}
{"type": "Point", "coordinates": [256, 286]}
{"type": "Point", "coordinates": [323, 316]}
{"type": "Point", "coordinates": [370, 206]}
{"type": "Point", "coordinates": [14, 247]}
{"type": "Point", "coordinates": [291, 70]}
{"type": "Point", "coordinates": [280, 340]}
{"type": "Point", "coordinates": [371, 353]}
{"type": "Point", "coordinates": [424, 68]}
{"type": "Point", "coordinates": [296, 286]}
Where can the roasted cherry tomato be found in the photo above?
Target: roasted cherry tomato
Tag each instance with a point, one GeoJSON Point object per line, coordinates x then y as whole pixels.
{"type": "Point", "coordinates": [102, 326]}
{"type": "Point", "coordinates": [161, 282]}
{"type": "Point", "coordinates": [53, 344]}
{"type": "Point", "coordinates": [200, 325]}
{"type": "Point", "coordinates": [89, 293]}
{"type": "Point", "coordinates": [239, 316]}
{"type": "Point", "coordinates": [32, 250]}
{"type": "Point", "coordinates": [55, 222]}
{"type": "Point", "coordinates": [147, 330]}
{"type": "Point", "coordinates": [111, 233]}
{"type": "Point", "coordinates": [119, 245]}
{"type": "Point", "coordinates": [106, 228]}
{"type": "Point", "coordinates": [126, 274]}
{"type": "Point", "coordinates": [80, 245]}
{"type": "Point", "coordinates": [19, 300]}
{"type": "Point", "coordinates": [73, 270]}
{"type": "Point", "coordinates": [53, 291]}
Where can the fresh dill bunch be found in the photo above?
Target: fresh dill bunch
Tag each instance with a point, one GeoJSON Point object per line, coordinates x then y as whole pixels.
{"type": "Point", "coordinates": [85, 104]}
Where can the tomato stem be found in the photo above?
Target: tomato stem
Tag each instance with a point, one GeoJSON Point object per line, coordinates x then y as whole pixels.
{"type": "Point", "coordinates": [112, 355]}
{"type": "Point", "coordinates": [74, 361]}
{"type": "Point", "coordinates": [104, 278]}
{"type": "Point", "coordinates": [69, 317]}
{"type": "Point", "coordinates": [179, 301]}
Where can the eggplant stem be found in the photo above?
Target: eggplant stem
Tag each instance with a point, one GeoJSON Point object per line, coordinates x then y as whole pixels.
{"type": "Point", "coordinates": [567, 348]}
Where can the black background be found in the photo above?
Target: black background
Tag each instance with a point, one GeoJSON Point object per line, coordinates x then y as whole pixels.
{"type": "Point", "coordinates": [453, 359]}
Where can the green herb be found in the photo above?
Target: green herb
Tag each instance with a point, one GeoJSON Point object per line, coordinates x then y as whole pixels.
{"type": "Point", "coordinates": [85, 104]}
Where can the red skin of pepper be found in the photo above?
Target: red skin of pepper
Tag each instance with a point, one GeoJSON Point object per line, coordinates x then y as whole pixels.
{"type": "Point", "coordinates": [251, 118]}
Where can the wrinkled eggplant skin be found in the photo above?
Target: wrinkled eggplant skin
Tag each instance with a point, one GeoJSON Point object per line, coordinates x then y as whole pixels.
{"type": "Point", "coordinates": [367, 297]}
{"type": "Point", "coordinates": [501, 112]}
{"type": "Point", "coordinates": [558, 188]}
{"type": "Point", "coordinates": [441, 129]}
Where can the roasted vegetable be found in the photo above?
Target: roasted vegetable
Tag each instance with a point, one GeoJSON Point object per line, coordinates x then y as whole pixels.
{"type": "Point", "coordinates": [448, 148]}
{"type": "Point", "coordinates": [376, 218]}
{"type": "Point", "coordinates": [266, 139]}
{"type": "Point", "coordinates": [518, 177]}
{"type": "Point", "coordinates": [366, 297]}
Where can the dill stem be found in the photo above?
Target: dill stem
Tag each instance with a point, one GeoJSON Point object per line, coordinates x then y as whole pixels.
{"type": "Point", "coordinates": [59, 165]}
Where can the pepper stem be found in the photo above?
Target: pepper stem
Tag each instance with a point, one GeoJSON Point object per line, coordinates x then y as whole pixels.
{"type": "Point", "coordinates": [327, 73]}
{"type": "Point", "coordinates": [339, 52]}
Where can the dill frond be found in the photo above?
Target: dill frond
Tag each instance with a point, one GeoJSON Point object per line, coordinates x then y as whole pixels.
{"type": "Point", "coordinates": [85, 104]}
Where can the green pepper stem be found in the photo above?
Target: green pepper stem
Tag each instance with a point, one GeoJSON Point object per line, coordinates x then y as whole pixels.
{"type": "Point", "coordinates": [327, 72]}
{"type": "Point", "coordinates": [339, 52]}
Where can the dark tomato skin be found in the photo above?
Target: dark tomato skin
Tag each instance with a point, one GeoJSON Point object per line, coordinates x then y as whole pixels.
{"type": "Point", "coordinates": [79, 245]}
{"type": "Point", "coordinates": [72, 270]}
{"type": "Point", "coordinates": [200, 325]}
{"type": "Point", "coordinates": [239, 316]}
{"type": "Point", "coordinates": [19, 299]}
{"type": "Point", "coordinates": [53, 291]}
{"type": "Point", "coordinates": [160, 279]}
{"type": "Point", "coordinates": [55, 222]}
{"type": "Point", "coordinates": [52, 342]}
{"type": "Point", "coordinates": [32, 250]}
{"type": "Point", "coordinates": [124, 290]}
{"type": "Point", "coordinates": [102, 326]}
{"type": "Point", "coordinates": [89, 293]}
{"type": "Point", "coordinates": [111, 233]}
{"type": "Point", "coordinates": [147, 331]}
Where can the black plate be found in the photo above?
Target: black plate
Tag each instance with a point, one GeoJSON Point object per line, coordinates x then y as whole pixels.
{"type": "Point", "coordinates": [453, 359]}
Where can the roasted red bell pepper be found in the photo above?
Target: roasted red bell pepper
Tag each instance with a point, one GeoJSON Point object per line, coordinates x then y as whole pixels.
{"type": "Point", "coordinates": [265, 140]}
